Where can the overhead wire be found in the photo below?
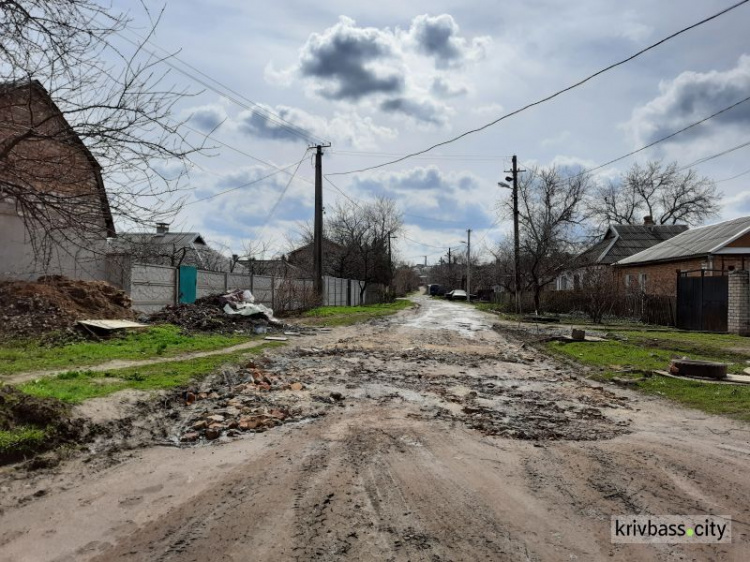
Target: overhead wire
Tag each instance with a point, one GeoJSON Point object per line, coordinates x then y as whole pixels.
{"type": "Point", "coordinates": [258, 180]}
{"type": "Point", "coordinates": [551, 96]}
{"type": "Point", "coordinates": [260, 110]}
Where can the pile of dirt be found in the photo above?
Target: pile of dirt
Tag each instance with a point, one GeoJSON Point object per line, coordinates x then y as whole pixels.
{"type": "Point", "coordinates": [33, 424]}
{"type": "Point", "coordinates": [207, 315]}
{"type": "Point", "coordinates": [54, 303]}
{"type": "Point", "coordinates": [248, 399]}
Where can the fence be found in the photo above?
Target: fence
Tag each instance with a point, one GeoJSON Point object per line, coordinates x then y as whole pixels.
{"type": "Point", "coordinates": [649, 309]}
{"type": "Point", "coordinates": [152, 287]}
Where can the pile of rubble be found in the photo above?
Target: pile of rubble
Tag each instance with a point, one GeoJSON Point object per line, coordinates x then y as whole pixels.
{"type": "Point", "coordinates": [248, 399]}
{"type": "Point", "coordinates": [227, 314]}
{"type": "Point", "coordinates": [55, 303]}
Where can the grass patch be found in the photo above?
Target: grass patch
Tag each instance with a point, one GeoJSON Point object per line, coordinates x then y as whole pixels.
{"type": "Point", "coordinates": [76, 386]}
{"type": "Point", "coordinates": [21, 440]}
{"type": "Point", "coordinates": [347, 315]}
{"type": "Point", "coordinates": [648, 351]}
{"type": "Point", "coordinates": [158, 341]}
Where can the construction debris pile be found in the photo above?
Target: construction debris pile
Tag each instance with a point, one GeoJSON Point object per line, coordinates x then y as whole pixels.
{"type": "Point", "coordinates": [54, 303]}
{"type": "Point", "coordinates": [250, 399]}
{"type": "Point", "coordinates": [234, 312]}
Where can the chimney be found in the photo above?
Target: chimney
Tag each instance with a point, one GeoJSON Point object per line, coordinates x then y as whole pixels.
{"type": "Point", "coordinates": [162, 227]}
{"type": "Point", "coordinates": [648, 220]}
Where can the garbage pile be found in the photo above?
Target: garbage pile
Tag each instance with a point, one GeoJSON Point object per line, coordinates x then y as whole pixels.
{"type": "Point", "coordinates": [250, 399]}
{"type": "Point", "coordinates": [55, 303]}
{"type": "Point", "coordinates": [234, 312]}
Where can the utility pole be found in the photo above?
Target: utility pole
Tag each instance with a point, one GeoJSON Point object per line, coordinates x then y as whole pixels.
{"type": "Point", "coordinates": [390, 265]}
{"type": "Point", "coordinates": [318, 228]}
{"type": "Point", "coordinates": [516, 243]}
{"type": "Point", "coordinates": [468, 266]}
{"type": "Point", "coordinates": [425, 261]}
{"type": "Point", "coordinates": [450, 270]}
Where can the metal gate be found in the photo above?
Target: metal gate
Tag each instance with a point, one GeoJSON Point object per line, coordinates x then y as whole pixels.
{"type": "Point", "coordinates": [702, 300]}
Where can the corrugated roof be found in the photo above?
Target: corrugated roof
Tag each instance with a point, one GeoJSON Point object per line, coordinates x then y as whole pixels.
{"type": "Point", "coordinates": [696, 242]}
{"type": "Point", "coordinates": [178, 239]}
{"type": "Point", "coordinates": [624, 240]}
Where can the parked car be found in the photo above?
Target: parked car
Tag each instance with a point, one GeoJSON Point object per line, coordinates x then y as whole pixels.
{"type": "Point", "coordinates": [456, 295]}
{"type": "Point", "coordinates": [437, 290]}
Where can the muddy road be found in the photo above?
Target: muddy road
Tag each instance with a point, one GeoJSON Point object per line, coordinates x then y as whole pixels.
{"type": "Point", "coordinates": [425, 436]}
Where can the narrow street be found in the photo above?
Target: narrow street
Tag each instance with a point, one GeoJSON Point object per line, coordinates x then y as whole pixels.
{"type": "Point", "coordinates": [451, 442]}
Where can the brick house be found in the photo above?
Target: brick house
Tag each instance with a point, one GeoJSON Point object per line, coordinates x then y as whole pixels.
{"type": "Point", "coordinates": [718, 249]}
{"type": "Point", "coordinates": [54, 212]}
{"type": "Point", "coordinates": [619, 241]}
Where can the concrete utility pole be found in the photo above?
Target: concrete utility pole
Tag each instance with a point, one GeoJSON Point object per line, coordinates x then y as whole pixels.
{"type": "Point", "coordinates": [468, 266]}
{"type": "Point", "coordinates": [318, 228]}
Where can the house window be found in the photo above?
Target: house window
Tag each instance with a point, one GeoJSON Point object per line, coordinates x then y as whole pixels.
{"type": "Point", "coordinates": [628, 281]}
{"type": "Point", "coordinates": [642, 277]}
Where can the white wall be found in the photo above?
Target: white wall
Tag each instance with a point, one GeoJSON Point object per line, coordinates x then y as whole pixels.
{"type": "Point", "coordinates": [85, 260]}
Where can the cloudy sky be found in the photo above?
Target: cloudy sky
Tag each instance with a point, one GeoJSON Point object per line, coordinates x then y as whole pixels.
{"type": "Point", "coordinates": [383, 79]}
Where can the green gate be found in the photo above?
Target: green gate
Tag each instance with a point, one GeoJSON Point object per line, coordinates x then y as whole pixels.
{"type": "Point", "coordinates": [188, 283]}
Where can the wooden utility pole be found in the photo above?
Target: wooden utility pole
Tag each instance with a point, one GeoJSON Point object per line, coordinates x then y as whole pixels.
{"type": "Point", "coordinates": [318, 228]}
{"type": "Point", "coordinates": [516, 242]}
{"type": "Point", "coordinates": [468, 266]}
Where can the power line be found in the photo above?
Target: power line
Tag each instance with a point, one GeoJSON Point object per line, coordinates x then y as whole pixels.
{"type": "Point", "coordinates": [734, 177]}
{"type": "Point", "coordinates": [242, 152]}
{"type": "Point", "coordinates": [663, 139]}
{"type": "Point", "coordinates": [552, 96]}
{"type": "Point", "coordinates": [283, 192]}
{"type": "Point", "coordinates": [713, 156]}
{"type": "Point", "coordinates": [277, 171]}
{"type": "Point", "coordinates": [259, 109]}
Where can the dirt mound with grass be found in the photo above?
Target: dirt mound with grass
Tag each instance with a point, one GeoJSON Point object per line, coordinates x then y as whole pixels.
{"type": "Point", "coordinates": [54, 303]}
{"type": "Point", "coordinates": [29, 425]}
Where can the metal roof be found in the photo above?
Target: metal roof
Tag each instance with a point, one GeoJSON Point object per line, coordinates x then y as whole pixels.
{"type": "Point", "coordinates": [178, 239]}
{"type": "Point", "coordinates": [696, 242]}
{"type": "Point", "coordinates": [624, 240]}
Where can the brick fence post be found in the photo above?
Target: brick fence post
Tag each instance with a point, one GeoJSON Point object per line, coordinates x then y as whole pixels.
{"type": "Point", "coordinates": [739, 303]}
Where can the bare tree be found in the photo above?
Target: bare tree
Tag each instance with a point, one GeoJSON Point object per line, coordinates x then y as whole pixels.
{"type": "Point", "coordinates": [663, 192]}
{"type": "Point", "coordinates": [78, 95]}
{"type": "Point", "coordinates": [599, 291]}
{"type": "Point", "coordinates": [550, 210]}
{"type": "Point", "coordinates": [362, 232]}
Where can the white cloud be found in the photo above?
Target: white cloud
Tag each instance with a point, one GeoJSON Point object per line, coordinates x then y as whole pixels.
{"type": "Point", "coordinates": [691, 97]}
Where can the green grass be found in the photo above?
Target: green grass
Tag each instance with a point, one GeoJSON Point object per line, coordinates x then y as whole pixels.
{"type": "Point", "coordinates": [158, 341]}
{"type": "Point", "coordinates": [76, 386]}
{"type": "Point", "coordinates": [347, 315]}
{"type": "Point", "coordinates": [21, 440]}
{"type": "Point", "coordinates": [646, 351]}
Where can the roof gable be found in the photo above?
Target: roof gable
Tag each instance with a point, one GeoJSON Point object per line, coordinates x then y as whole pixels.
{"type": "Point", "coordinates": [623, 240]}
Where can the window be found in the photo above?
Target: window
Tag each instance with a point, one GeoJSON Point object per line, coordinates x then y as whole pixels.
{"type": "Point", "coordinates": [642, 278]}
{"type": "Point", "coordinates": [628, 281]}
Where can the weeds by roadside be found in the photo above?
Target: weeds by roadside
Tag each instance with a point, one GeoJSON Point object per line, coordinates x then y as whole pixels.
{"type": "Point", "coordinates": [79, 385]}
{"type": "Point", "coordinates": [157, 341]}
{"type": "Point", "coordinates": [645, 352]}
{"type": "Point", "coordinates": [348, 315]}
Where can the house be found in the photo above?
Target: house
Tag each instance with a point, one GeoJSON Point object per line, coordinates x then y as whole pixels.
{"type": "Point", "coordinates": [174, 249]}
{"type": "Point", "coordinates": [275, 268]}
{"type": "Point", "coordinates": [619, 242]}
{"type": "Point", "coordinates": [55, 216]}
{"type": "Point", "coordinates": [714, 250]}
{"type": "Point", "coordinates": [334, 259]}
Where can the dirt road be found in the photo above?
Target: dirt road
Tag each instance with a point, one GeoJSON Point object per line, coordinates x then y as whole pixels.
{"type": "Point", "coordinates": [452, 442]}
